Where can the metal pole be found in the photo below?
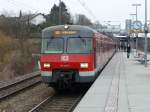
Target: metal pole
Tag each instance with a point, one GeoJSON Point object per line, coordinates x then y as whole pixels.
{"type": "Point", "coordinates": [136, 12]}
{"type": "Point", "coordinates": [59, 12]}
{"type": "Point", "coordinates": [136, 44]}
{"type": "Point", "coordinates": [136, 32]}
{"type": "Point", "coordinates": [132, 34]}
{"type": "Point", "coordinates": [146, 31]}
{"type": "Point", "coordinates": [136, 5]}
{"type": "Point", "coordinates": [132, 16]}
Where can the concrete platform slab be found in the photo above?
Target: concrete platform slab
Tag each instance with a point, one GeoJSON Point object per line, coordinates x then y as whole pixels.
{"type": "Point", "coordinates": [123, 86]}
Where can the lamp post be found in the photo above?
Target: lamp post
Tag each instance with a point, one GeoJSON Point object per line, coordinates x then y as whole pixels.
{"type": "Point", "coordinates": [131, 34]}
{"type": "Point", "coordinates": [132, 22]}
{"type": "Point", "coordinates": [132, 16]}
{"type": "Point", "coordinates": [146, 31]}
{"type": "Point", "coordinates": [136, 5]}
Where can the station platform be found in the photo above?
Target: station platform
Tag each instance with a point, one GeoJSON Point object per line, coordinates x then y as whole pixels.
{"type": "Point", "coordinates": [123, 86]}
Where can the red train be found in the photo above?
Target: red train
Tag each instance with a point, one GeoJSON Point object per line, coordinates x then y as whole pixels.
{"type": "Point", "coordinates": [73, 54]}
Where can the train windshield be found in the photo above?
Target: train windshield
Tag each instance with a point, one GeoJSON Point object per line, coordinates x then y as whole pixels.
{"type": "Point", "coordinates": [79, 45]}
{"type": "Point", "coordinates": [53, 45]}
{"type": "Point", "coordinates": [73, 45]}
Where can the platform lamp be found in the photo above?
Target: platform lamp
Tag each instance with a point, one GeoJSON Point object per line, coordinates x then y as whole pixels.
{"type": "Point", "coordinates": [136, 5]}
{"type": "Point", "coordinates": [132, 15]}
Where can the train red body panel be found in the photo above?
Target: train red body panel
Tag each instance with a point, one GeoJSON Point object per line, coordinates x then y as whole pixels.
{"type": "Point", "coordinates": [73, 54]}
{"type": "Point", "coordinates": [67, 61]}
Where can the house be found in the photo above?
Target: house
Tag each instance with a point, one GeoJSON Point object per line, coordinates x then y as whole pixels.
{"type": "Point", "coordinates": [34, 19]}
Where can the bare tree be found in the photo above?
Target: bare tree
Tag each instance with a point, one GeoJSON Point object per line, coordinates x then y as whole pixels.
{"type": "Point", "coordinates": [81, 19]}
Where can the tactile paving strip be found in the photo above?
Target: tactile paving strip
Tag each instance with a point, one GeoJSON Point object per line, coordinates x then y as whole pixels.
{"type": "Point", "coordinates": [112, 102]}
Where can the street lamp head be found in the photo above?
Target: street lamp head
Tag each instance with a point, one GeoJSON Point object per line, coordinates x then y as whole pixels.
{"type": "Point", "coordinates": [136, 4]}
{"type": "Point", "coordinates": [132, 14]}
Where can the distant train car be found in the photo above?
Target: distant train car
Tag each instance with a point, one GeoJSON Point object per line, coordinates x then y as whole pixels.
{"type": "Point", "coordinates": [73, 54]}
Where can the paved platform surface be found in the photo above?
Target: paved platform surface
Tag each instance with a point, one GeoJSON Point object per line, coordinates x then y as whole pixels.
{"type": "Point", "coordinates": [123, 86]}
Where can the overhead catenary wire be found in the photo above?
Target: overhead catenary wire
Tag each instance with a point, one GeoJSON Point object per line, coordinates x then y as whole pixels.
{"type": "Point", "coordinates": [83, 4]}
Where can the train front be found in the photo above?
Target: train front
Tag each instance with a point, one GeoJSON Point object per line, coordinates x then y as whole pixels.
{"type": "Point", "coordinates": [67, 55]}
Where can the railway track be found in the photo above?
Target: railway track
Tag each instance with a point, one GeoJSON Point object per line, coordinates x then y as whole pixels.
{"type": "Point", "coordinates": [21, 83]}
{"type": "Point", "coordinates": [59, 103]}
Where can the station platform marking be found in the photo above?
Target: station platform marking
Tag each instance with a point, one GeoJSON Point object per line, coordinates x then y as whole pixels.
{"type": "Point", "coordinates": [123, 86]}
{"type": "Point", "coordinates": [112, 102]}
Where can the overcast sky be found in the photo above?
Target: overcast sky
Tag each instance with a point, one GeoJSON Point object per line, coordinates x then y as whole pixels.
{"type": "Point", "coordinates": [103, 10]}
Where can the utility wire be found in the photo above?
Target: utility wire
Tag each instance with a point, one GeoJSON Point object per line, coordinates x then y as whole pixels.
{"type": "Point", "coordinates": [83, 4]}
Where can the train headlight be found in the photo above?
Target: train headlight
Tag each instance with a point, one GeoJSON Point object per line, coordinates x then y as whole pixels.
{"type": "Point", "coordinates": [84, 65]}
{"type": "Point", "coordinates": [47, 65]}
{"type": "Point", "coordinates": [66, 26]}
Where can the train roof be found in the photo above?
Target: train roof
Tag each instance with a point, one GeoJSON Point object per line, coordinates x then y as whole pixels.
{"type": "Point", "coordinates": [71, 27]}
{"type": "Point", "coordinates": [83, 31]}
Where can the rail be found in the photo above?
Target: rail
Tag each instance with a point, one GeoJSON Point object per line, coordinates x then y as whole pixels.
{"type": "Point", "coordinates": [58, 103]}
{"type": "Point", "coordinates": [18, 84]}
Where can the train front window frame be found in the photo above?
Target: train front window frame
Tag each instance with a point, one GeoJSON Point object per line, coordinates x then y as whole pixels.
{"type": "Point", "coordinates": [50, 45]}
{"type": "Point", "coordinates": [76, 49]}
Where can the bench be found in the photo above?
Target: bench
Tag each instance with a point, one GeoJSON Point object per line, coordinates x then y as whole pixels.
{"type": "Point", "coordinates": [141, 58]}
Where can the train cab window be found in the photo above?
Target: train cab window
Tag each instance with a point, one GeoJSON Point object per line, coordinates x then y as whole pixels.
{"type": "Point", "coordinates": [53, 45]}
{"type": "Point", "coordinates": [79, 45]}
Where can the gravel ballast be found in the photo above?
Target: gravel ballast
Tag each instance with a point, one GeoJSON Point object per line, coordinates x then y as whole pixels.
{"type": "Point", "coordinates": [27, 99]}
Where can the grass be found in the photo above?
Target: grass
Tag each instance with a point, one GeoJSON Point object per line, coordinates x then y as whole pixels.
{"type": "Point", "coordinates": [16, 56]}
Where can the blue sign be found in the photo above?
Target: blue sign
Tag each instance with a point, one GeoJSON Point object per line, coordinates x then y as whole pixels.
{"type": "Point", "coordinates": [137, 25]}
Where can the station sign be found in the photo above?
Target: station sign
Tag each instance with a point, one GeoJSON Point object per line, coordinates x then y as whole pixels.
{"type": "Point", "coordinates": [137, 25]}
{"type": "Point", "coordinates": [136, 31]}
{"type": "Point", "coordinates": [61, 33]}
